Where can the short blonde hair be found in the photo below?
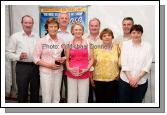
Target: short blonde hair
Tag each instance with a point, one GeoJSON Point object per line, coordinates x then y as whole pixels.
{"type": "Point", "coordinates": [75, 24]}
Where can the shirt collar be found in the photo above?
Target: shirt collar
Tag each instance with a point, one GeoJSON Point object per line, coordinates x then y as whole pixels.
{"type": "Point", "coordinates": [24, 34]}
{"type": "Point", "coordinates": [97, 38]}
{"type": "Point", "coordinates": [126, 38]}
{"type": "Point", "coordinates": [141, 44]}
{"type": "Point", "coordinates": [60, 31]}
{"type": "Point", "coordinates": [49, 38]}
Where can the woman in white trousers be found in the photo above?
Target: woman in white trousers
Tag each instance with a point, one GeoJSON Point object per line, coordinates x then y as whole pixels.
{"type": "Point", "coordinates": [47, 55]}
{"type": "Point", "coordinates": [78, 63]}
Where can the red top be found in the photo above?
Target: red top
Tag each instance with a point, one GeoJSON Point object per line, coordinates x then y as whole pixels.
{"type": "Point", "coordinates": [78, 58]}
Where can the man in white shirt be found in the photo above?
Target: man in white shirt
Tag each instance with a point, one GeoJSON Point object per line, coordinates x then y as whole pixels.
{"type": "Point", "coordinates": [64, 20]}
{"type": "Point", "coordinates": [94, 40]}
{"type": "Point", "coordinates": [127, 23]}
{"type": "Point", "coordinates": [20, 49]}
{"type": "Point", "coordinates": [94, 29]}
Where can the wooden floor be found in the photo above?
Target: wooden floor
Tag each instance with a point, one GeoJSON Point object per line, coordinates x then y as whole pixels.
{"type": "Point", "coordinates": [10, 100]}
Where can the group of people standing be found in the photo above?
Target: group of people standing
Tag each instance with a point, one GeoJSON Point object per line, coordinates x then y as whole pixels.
{"type": "Point", "coordinates": [94, 67]}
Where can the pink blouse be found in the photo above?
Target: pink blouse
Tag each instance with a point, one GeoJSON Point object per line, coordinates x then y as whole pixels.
{"type": "Point", "coordinates": [48, 50]}
{"type": "Point", "coordinates": [78, 58]}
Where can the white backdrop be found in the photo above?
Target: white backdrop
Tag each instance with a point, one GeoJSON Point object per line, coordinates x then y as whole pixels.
{"type": "Point", "coordinates": [110, 16]}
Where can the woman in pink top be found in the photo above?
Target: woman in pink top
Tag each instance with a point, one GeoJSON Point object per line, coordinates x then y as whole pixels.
{"type": "Point", "coordinates": [47, 55]}
{"type": "Point", "coordinates": [79, 59]}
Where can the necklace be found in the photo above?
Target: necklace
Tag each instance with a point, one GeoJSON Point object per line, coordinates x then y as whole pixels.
{"type": "Point", "coordinates": [107, 47]}
{"type": "Point", "coordinates": [77, 42]}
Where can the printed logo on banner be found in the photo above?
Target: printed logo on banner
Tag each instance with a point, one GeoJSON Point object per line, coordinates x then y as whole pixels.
{"type": "Point", "coordinates": [76, 13]}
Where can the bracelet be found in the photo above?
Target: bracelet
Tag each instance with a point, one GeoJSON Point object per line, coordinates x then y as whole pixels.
{"type": "Point", "coordinates": [91, 69]}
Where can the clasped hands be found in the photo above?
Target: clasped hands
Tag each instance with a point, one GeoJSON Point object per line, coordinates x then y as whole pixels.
{"type": "Point", "coordinates": [76, 71]}
{"type": "Point", "coordinates": [133, 80]}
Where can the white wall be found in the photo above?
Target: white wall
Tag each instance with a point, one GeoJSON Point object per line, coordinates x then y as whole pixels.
{"type": "Point", "coordinates": [8, 69]}
{"type": "Point", "coordinates": [111, 16]}
{"type": "Point", "coordinates": [21, 10]}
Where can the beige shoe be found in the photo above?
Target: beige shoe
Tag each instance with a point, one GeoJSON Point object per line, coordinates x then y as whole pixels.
{"type": "Point", "coordinates": [13, 95]}
{"type": "Point", "coordinates": [7, 95]}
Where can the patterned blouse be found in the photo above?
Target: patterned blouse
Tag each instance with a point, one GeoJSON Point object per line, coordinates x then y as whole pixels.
{"type": "Point", "coordinates": [107, 63]}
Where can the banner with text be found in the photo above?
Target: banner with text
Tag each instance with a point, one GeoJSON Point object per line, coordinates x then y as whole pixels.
{"type": "Point", "coordinates": [76, 13]}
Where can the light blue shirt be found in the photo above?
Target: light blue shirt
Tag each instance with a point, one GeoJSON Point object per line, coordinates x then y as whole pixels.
{"type": "Point", "coordinates": [66, 36]}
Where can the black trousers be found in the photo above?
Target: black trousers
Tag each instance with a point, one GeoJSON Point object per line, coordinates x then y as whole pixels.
{"type": "Point", "coordinates": [27, 75]}
{"type": "Point", "coordinates": [91, 91]}
{"type": "Point", "coordinates": [128, 94]}
{"type": "Point", "coordinates": [64, 81]}
{"type": "Point", "coordinates": [105, 91]}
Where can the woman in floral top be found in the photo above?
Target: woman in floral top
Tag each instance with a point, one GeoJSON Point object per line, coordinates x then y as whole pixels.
{"type": "Point", "coordinates": [106, 68]}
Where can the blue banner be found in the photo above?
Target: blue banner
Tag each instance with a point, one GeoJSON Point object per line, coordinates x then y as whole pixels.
{"type": "Point", "coordinates": [76, 13]}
